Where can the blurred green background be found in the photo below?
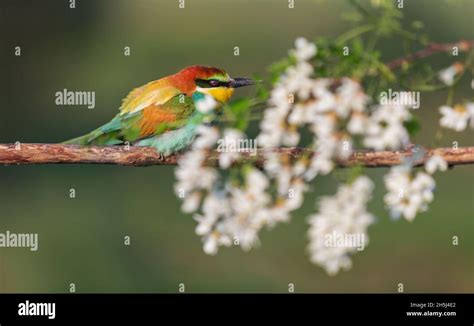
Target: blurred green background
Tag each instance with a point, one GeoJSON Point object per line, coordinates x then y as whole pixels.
{"type": "Point", "coordinates": [81, 239]}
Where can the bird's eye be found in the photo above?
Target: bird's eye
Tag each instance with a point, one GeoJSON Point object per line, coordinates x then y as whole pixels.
{"type": "Point", "coordinates": [213, 82]}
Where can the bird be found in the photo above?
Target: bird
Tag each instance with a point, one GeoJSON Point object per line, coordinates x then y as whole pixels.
{"type": "Point", "coordinates": [163, 113]}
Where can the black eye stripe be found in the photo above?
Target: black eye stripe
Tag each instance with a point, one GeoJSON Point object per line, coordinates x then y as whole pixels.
{"type": "Point", "coordinates": [211, 83]}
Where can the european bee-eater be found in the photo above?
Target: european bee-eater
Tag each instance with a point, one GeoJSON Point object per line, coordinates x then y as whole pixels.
{"type": "Point", "coordinates": [163, 113]}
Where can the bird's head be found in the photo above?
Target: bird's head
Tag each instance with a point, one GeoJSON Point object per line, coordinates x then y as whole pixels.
{"type": "Point", "coordinates": [211, 81]}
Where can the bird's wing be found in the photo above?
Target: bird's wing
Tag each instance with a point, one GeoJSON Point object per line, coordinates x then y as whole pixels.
{"type": "Point", "coordinates": [148, 110]}
{"type": "Point", "coordinates": [155, 93]}
{"type": "Point", "coordinates": [156, 119]}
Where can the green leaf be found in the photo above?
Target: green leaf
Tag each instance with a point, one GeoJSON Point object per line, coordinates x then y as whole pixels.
{"type": "Point", "coordinates": [238, 111]}
{"type": "Point", "coordinates": [412, 126]}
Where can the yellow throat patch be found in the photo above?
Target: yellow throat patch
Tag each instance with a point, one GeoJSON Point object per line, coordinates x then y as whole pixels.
{"type": "Point", "coordinates": [220, 94]}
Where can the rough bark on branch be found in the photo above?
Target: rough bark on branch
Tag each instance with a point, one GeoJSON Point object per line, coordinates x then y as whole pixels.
{"type": "Point", "coordinates": [19, 154]}
{"type": "Point", "coordinates": [431, 49]}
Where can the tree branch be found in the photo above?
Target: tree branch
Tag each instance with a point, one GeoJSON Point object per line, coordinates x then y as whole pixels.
{"type": "Point", "coordinates": [431, 49]}
{"type": "Point", "coordinates": [20, 154]}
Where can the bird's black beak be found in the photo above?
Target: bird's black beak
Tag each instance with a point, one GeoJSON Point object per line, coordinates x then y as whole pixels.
{"type": "Point", "coordinates": [241, 82]}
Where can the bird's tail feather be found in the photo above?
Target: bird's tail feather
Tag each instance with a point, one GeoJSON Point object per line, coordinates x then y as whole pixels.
{"type": "Point", "coordinates": [87, 139]}
{"type": "Point", "coordinates": [105, 135]}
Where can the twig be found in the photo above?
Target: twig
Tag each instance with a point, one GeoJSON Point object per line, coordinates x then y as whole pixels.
{"type": "Point", "coordinates": [431, 49]}
{"type": "Point", "coordinates": [20, 154]}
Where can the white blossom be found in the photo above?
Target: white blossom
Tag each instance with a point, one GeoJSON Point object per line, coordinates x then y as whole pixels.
{"type": "Point", "coordinates": [457, 118]}
{"type": "Point", "coordinates": [447, 75]}
{"type": "Point", "coordinates": [232, 208]}
{"type": "Point", "coordinates": [344, 213]}
{"type": "Point", "coordinates": [304, 50]}
{"type": "Point", "coordinates": [407, 195]}
{"type": "Point", "coordinates": [229, 151]}
{"type": "Point", "coordinates": [295, 194]}
{"type": "Point", "coordinates": [385, 129]}
{"type": "Point", "coordinates": [435, 163]}
{"type": "Point", "coordinates": [351, 98]}
{"type": "Point", "coordinates": [192, 175]}
{"type": "Point", "coordinates": [235, 213]}
{"type": "Point", "coordinates": [297, 79]}
{"type": "Point", "coordinates": [357, 124]}
{"type": "Point", "coordinates": [191, 202]}
{"type": "Point", "coordinates": [206, 137]}
{"type": "Point", "coordinates": [206, 104]}
{"type": "Point", "coordinates": [213, 241]}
